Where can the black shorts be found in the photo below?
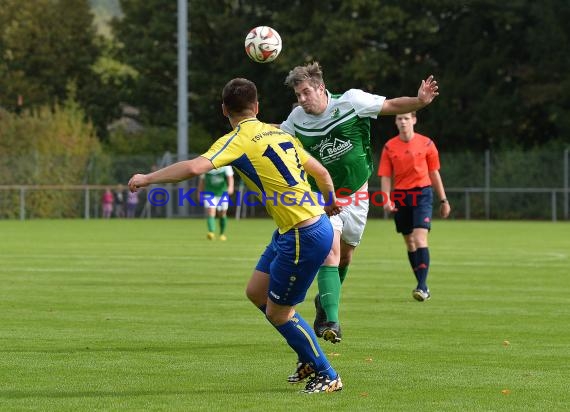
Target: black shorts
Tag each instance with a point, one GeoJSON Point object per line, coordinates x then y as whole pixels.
{"type": "Point", "coordinates": [415, 207]}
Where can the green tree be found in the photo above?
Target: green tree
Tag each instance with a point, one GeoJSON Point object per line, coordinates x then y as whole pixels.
{"type": "Point", "coordinates": [147, 33]}
{"type": "Point", "coordinates": [104, 11]}
{"type": "Point", "coordinates": [45, 44]}
{"type": "Point", "coordinates": [49, 146]}
{"type": "Point", "coordinates": [502, 67]}
{"type": "Point", "coordinates": [109, 86]}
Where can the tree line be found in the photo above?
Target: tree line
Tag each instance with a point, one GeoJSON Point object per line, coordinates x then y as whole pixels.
{"type": "Point", "coordinates": [502, 66]}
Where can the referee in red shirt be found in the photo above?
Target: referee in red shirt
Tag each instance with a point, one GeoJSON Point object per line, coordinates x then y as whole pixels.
{"type": "Point", "coordinates": [411, 160]}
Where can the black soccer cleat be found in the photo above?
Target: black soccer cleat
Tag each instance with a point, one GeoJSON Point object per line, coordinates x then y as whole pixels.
{"type": "Point", "coordinates": [320, 317]}
{"type": "Point", "coordinates": [303, 371]}
{"type": "Point", "coordinates": [323, 384]}
{"type": "Point", "coordinates": [331, 332]}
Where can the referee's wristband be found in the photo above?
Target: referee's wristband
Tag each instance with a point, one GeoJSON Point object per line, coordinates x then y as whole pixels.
{"type": "Point", "coordinates": [442, 201]}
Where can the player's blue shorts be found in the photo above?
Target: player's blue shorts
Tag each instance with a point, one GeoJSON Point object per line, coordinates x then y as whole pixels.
{"type": "Point", "coordinates": [293, 258]}
{"type": "Point", "coordinates": [414, 209]}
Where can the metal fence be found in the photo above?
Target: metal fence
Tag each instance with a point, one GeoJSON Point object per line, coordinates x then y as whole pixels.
{"type": "Point", "coordinates": [512, 184]}
{"type": "Point", "coordinates": [467, 202]}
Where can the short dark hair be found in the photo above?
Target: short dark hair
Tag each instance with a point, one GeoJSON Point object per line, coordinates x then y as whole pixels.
{"type": "Point", "coordinates": [239, 96]}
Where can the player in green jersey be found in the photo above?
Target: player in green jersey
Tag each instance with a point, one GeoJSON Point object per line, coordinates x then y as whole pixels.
{"type": "Point", "coordinates": [335, 129]}
{"type": "Point", "coordinates": [215, 188]}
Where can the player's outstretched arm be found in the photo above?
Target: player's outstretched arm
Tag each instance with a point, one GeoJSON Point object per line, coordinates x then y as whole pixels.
{"type": "Point", "coordinates": [426, 93]}
{"type": "Point", "coordinates": [325, 184]}
{"type": "Point", "coordinates": [428, 90]}
{"type": "Point", "coordinates": [172, 174]}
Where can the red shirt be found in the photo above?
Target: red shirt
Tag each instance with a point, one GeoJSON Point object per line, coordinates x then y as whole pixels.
{"type": "Point", "coordinates": [409, 163]}
{"type": "Point", "coordinates": [107, 197]}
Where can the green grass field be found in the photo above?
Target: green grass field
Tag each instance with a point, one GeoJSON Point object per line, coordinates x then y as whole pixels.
{"type": "Point", "coordinates": [148, 315]}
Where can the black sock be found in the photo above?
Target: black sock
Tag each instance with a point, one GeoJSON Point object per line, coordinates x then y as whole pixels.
{"type": "Point", "coordinates": [412, 256]}
{"type": "Point", "coordinates": [422, 267]}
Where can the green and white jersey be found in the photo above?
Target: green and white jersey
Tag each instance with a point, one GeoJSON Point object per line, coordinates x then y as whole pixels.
{"type": "Point", "coordinates": [340, 136]}
{"type": "Point", "coordinates": [216, 181]}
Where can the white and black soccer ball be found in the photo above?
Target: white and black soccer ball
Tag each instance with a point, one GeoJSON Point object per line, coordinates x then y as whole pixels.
{"type": "Point", "coordinates": [263, 44]}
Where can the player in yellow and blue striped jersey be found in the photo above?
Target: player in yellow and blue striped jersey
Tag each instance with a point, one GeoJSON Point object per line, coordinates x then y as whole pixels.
{"type": "Point", "coordinates": [272, 164]}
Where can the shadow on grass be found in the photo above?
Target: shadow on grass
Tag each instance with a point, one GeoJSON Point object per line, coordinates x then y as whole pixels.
{"type": "Point", "coordinates": [189, 348]}
{"type": "Point", "coordinates": [54, 394]}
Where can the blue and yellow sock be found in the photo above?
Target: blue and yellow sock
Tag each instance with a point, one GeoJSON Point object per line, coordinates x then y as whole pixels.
{"type": "Point", "coordinates": [300, 336]}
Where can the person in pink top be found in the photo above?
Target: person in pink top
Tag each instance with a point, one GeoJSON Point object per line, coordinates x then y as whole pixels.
{"type": "Point", "coordinates": [107, 203]}
{"type": "Point", "coordinates": [409, 172]}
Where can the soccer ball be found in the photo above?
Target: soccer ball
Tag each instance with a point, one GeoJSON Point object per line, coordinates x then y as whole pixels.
{"type": "Point", "coordinates": [263, 44]}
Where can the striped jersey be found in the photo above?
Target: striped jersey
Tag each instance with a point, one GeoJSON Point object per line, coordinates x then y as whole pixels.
{"type": "Point", "coordinates": [340, 136]}
{"type": "Point", "coordinates": [270, 162]}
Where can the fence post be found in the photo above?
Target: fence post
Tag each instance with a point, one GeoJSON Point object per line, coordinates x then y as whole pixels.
{"type": "Point", "coordinates": [182, 208]}
{"type": "Point", "coordinates": [487, 184]}
{"type": "Point", "coordinates": [22, 203]}
{"type": "Point", "coordinates": [467, 205]}
{"type": "Point", "coordinates": [86, 201]}
{"type": "Point", "coordinates": [566, 172]}
{"type": "Point", "coordinates": [553, 197]}
{"type": "Point", "coordinates": [239, 205]}
{"type": "Point", "coordinates": [167, 160]}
